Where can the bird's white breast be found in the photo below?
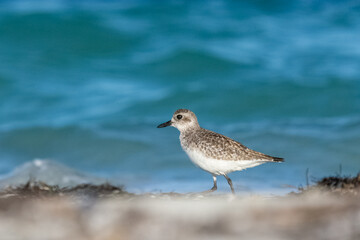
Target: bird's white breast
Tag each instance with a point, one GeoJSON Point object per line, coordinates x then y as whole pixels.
{"type": "Point", "coordinates": [219, 167]}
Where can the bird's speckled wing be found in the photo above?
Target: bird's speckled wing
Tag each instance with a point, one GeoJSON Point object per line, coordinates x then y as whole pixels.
{"type": "Point", "coordinates": [217, 146]}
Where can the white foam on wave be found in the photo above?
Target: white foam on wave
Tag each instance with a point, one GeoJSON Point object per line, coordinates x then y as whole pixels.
{"type": "Point", "coordinates": [49, 172]}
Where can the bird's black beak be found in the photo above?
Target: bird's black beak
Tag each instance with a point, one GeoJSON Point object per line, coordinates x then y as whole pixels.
{"type": "Point", "coordinates": [165, 124]}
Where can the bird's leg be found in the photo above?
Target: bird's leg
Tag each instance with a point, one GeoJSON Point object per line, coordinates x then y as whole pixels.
{"type": "Point", "coordinates": [213, 188]}
{"type": "Point", "coordinates": [230, 183]}
{"type": "Point", "coordinates": [215, 185]}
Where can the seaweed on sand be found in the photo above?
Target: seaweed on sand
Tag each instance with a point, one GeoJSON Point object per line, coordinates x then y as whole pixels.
{"type": "Point", "coordinates": [35, 189]}
{"type": "Point", "coordinates": [336, 184]}
{"type": "Point", "coordinates": [340, 183]}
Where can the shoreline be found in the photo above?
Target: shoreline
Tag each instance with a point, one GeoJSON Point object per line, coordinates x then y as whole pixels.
{"type": "Point", "coordinates": [328, 210]}
{"type": "Point", "coordinates": [335, 185]}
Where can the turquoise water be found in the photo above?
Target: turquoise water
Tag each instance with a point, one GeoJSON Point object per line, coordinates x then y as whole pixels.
{"type": "Point", "coordinates": [85, 83]}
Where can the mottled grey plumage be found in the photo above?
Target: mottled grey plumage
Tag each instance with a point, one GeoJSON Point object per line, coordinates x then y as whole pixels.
{"type": "Point", "coordinates": [217, 146]}
{"type": "Point", "coordinates": [211, 151]}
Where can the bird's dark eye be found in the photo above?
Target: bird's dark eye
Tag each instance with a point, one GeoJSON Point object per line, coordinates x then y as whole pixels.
{"type": "Point", "coordinates": [179, 117]}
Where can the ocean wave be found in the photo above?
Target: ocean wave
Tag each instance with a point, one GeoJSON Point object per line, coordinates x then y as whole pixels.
{"type": "Point", "coordinates": [335, 128]}
{"type": "Point", "coordinates": [53, 6]}
{"type": "Point", "coordinates": [48, 172]}
{"type": "Point", "coordinates": [190, 62]}
{"type": "Point", "coordinates": [74, 145]}
{"type": "Point", "coordinates": [283, 44]}
{"type": "Point", "coordinates": [76, 102]}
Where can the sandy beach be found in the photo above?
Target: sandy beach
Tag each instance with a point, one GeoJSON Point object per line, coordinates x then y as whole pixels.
{"type": "Point", "coordinates": [38, 211]}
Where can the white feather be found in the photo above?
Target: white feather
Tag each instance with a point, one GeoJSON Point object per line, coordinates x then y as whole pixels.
{"type": "Point", "coordinates": [220, 167]}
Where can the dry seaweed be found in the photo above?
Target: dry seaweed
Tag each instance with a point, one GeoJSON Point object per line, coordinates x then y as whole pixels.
{"type": "Point", "coordinates": [36, 189]}
{"type": "Point", "coordinates": [340, 185]}
{"type": "Point", "coordinates": [340, 182]}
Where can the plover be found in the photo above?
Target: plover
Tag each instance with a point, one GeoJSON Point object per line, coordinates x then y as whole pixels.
{"type": "Point", "coordinates": [213, 152]}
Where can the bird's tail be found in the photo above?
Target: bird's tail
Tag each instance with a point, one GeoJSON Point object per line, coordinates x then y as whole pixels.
{"type": "Point", "coordinates": [277, 159]}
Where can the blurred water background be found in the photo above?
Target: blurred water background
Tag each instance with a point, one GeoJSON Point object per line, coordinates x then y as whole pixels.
{"type": "Point", "coordinates": [85, 83]}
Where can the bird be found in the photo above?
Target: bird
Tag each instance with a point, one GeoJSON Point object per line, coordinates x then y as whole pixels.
{"type": "Point", "coordinates": [213, 152]}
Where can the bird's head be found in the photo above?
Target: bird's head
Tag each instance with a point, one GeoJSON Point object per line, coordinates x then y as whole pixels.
{"type": "Point", "coordinates": [183, 120]}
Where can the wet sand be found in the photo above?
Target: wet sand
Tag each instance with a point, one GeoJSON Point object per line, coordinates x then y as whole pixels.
{"type": "Point", "coordinates": [328, 210]}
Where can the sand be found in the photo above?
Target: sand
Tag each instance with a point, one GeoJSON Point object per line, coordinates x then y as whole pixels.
{"type": "Point", "coordinates": [319, 212]}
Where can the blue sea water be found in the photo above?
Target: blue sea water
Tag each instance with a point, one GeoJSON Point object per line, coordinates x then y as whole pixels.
{"type": "Point", "coordinates": [85, 83]}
